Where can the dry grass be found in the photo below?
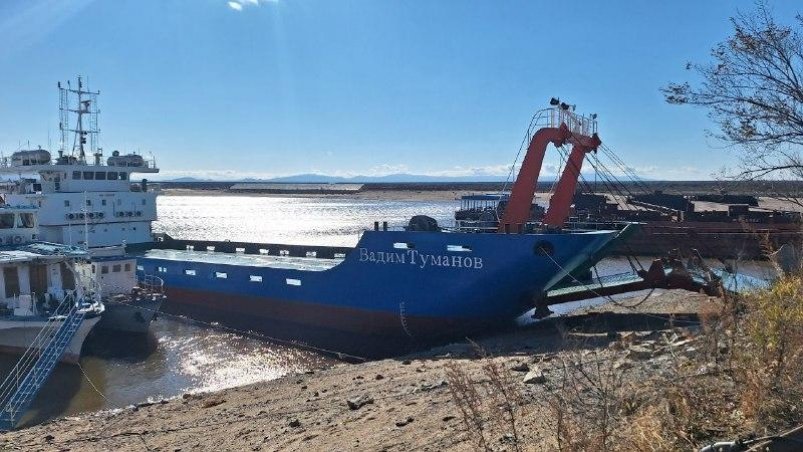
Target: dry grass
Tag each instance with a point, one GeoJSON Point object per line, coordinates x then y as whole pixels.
{"type": "Point", "coordinates": [741, 377]}
{"type": "Point", "coordinates": [490, 402]}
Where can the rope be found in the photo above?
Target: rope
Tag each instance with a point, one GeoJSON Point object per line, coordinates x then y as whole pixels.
{"type": "Point", "coordinates": [89, 380]}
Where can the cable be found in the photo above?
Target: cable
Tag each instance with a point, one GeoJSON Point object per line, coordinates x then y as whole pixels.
{"type": "Point", "coordinates": [108, 402]}
{"type": "Point", "coordinates": [610, 299]}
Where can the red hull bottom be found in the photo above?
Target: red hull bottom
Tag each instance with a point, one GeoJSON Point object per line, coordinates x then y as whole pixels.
{"type": "Point", "coordinates": [351, 331]}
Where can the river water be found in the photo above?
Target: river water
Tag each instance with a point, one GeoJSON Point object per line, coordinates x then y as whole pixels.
{"type": "Point", "coordinates": [183, 356]}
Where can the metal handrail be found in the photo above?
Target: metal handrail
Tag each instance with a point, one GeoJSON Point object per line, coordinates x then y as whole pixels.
{"type": "Point", "coordinates": [27, 361]}
{"type": "Point", "coordinates": [151, 284]}
{"type": "Point", "coordinates": [148, 163]}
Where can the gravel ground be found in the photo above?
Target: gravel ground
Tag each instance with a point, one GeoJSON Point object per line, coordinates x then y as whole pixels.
{"type": "Point", "coordinates": [394, 404]}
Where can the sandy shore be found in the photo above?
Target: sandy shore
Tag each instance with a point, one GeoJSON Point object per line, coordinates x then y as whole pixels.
{"type": "Point", "coordinates": [394, 404]}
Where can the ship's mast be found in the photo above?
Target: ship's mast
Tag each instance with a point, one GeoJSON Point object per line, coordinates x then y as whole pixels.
{"type": "Point", "coordinates": [86, 105]}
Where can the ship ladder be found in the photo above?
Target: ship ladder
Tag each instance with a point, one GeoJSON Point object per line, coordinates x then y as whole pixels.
{"type": "Point", "coordinates": [20, 387]}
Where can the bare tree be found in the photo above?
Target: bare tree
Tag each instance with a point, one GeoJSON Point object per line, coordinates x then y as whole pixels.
{"type": "Point", "coordinates": [753, 91]}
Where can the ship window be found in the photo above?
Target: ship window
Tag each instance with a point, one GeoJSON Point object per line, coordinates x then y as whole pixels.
{"type": "Point", "coordinates": [221, 275]}
{"type": "Point", "coordinates": [113, 176]}
{"type": "Point", "coordinates": [140, 268]}
{"type": "Point", "coordinates": [89, 175]}
{"type": "Point", "coordinates": [144, 202]}
{"type": "Point", "coordinates": [26, 220]}
{"type": "Point", "coordinates": [340, 255]}
{"type": "Point", "coordinates": [123, 176]}
{"type": "Point", "coordinates": [312, 254]}
{"type": "Point", "coordinates": [93, 268]}
{"type": "Point", "coordinates": [210, 248]}
{"type": "Point", "coordinates": [66, 203]}
{"type": "Point", "coordinates": [128, 267]}
{"type": "Point", "coordinates": [6, 221]}
{"type": "Point", "coordinates": [293, 282]}
{"type": "Point", "coordinates": [161, 269]}
{"type": "Point", "coordinates": [103, 202]}
{"type": "Point", "coordinates": [100, 175]}
{"type": "Point", "coordinates": [255, 278]}
{"type": "Point", "coordinates": [104, 269]}
{"type": "Point", "coordinates": [89, 202]}
{"type": "Point", "coordinates": [403, 246]}
{"type": "Point", "coordinates": [76, 175]}
{"type": "Point", "coordinates": [11, 277]}
{"type": "Point", "coordinates": [189, 272]}
{"type": "Point", "coordinates": [264, 251]}
{"type": "Point", "coordinates": [239, 250]}
{"type": "Point", "coordinates": [116, 268]}
{"type": "Point", "coordinates": [458, 248]}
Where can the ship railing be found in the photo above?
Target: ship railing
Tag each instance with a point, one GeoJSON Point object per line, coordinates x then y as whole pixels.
{"type": "Point", "coordinates": [16, 376]}
{"type": "Point", "coordinates": [148, 163]}
{"type": "Point", "coordinates": [558, 115]}
{"type": "Point", "coordinates": [151, 284]}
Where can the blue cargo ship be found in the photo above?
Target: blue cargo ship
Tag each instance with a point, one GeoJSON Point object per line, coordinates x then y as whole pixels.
{"type": "Point", "coordinates": [410, 285]}
{"type": "Point", "coordinates": [395, 287]}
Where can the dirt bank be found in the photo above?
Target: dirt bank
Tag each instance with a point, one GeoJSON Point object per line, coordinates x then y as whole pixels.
{"type": "Point", "coordinates": [393, 404]}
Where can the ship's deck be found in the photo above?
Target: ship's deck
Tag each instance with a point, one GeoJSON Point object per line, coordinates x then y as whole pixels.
{"type": "Point", "coordinates": [242, 259]}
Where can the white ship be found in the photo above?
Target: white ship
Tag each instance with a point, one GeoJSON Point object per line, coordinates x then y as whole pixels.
{"type": "Point", "coordinates": [90, 201]}
{"type": "Point", "coordinates": [39, 285]}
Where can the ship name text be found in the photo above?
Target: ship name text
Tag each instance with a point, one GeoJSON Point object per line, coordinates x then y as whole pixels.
{"type": "Point", "coordinates": [413, 257]}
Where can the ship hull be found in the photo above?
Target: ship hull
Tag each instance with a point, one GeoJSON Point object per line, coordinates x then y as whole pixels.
{"type": "Point", "coordinates": [17, 335]}
{"type": "Point", "coordinates": [398, 287]}
{"type": "Point", "coordinates": [130, 317]}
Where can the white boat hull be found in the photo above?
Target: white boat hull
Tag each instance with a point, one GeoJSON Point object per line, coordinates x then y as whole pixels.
{"type": "Point", "coordinates": [17, 335]}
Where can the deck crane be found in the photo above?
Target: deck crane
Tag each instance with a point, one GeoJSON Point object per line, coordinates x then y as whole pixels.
{"type": "Point", "coordinates": [558, 126]}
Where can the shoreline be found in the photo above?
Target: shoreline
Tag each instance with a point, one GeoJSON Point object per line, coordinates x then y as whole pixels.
{"type": "Point", "coordinates": [401, 403]}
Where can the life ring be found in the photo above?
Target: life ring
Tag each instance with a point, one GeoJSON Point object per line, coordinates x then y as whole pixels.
{"type": "Point", "coordinates": [81, 216]}
{"type": "Point", "coordinates": [71, 216]}
{"type": "Point", "coordinates": [129, 213]}
{"type": "Point", "coordinates": [91, 214]}
{"type": "Point", "coordinates": [100, 214]}
{"type": "Point", "coordinates": [139, 213]}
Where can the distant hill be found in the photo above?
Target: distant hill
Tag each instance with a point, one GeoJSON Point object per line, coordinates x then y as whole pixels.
{"type": "Point", "coordinates": [397, 178]}
{"type": "Point", "coordinates": [312, 178]}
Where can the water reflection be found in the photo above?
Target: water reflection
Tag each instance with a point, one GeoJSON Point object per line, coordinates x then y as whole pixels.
{"type": "Point", "coordinates": [303, 221]}
{"type": "Point", "coordinates": [177, 357]}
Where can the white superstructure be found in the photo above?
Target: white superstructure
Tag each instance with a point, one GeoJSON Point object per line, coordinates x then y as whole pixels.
{"type": "Point", "coordinates": [36, 279]}
{"type": "Point", "coordinates": [83, 198]}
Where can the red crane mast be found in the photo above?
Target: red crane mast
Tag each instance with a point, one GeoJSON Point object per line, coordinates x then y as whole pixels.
{"type": "Point", "coordinates": [560, 126]}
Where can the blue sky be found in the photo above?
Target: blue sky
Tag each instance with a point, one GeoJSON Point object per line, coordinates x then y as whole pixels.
{"type": "Point", "coordinates": [256, 88]}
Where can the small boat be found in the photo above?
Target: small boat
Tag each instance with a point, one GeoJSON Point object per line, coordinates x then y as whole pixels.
{"type": "Point", "coordinates": [132, 301]}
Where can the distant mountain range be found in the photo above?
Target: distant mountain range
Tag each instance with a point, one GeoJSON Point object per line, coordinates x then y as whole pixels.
{"type": "Point", "coordinates": [390, 178]}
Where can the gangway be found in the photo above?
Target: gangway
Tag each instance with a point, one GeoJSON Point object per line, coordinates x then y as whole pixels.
{"type": "Point", "coordinates": [32, 370]}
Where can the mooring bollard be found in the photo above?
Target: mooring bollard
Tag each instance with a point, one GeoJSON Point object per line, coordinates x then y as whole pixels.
{"type": "Point", "coordinates": [384, 225]}
{"type": "Point", "coordinates": [376, 226]}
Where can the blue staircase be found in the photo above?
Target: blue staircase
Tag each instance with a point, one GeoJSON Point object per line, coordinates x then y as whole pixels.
{"type": "Point", "coordinates": [30, 373]}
